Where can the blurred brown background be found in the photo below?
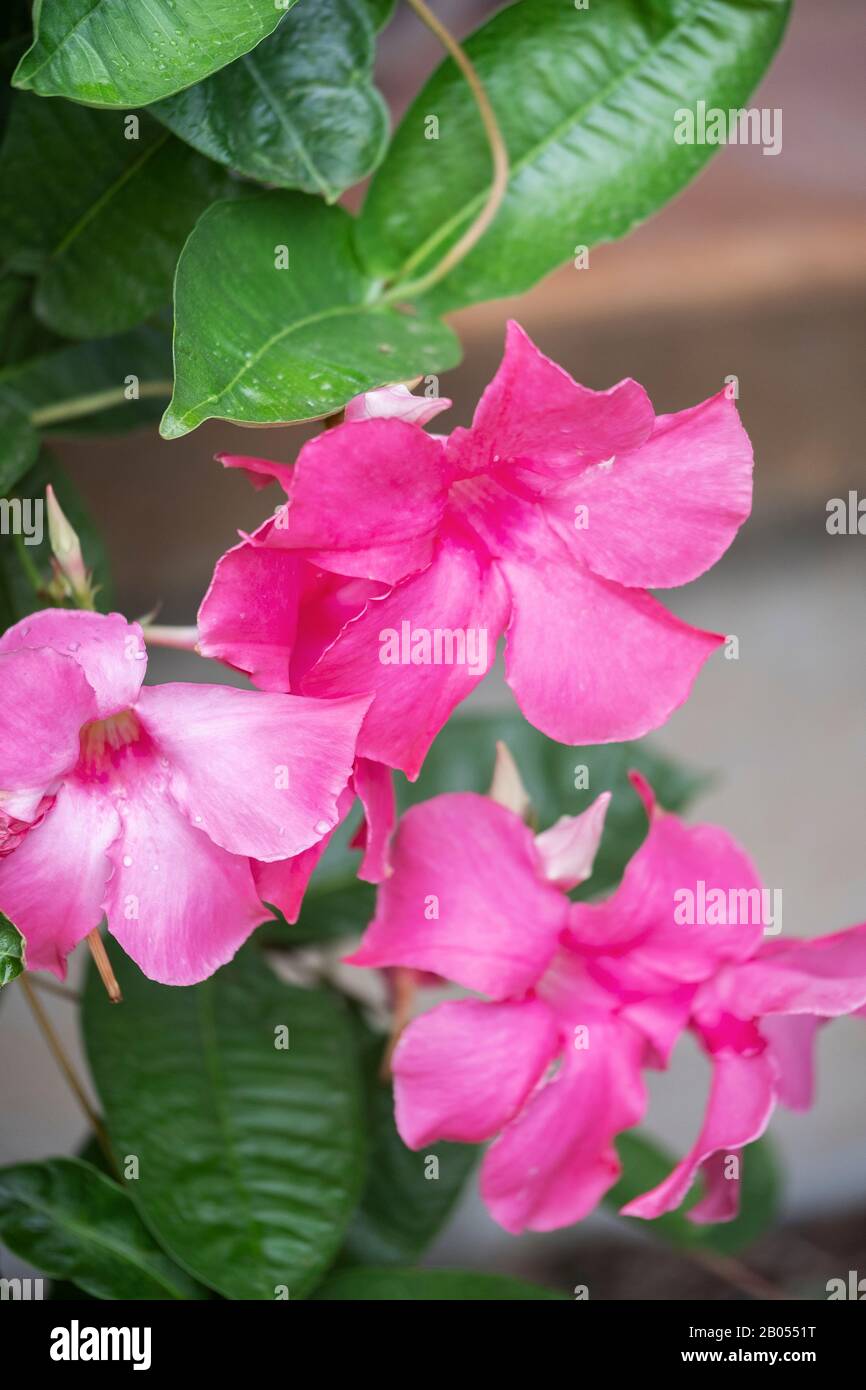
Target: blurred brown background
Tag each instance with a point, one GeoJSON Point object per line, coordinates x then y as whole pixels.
{"type": "Point", "coordinates": [757, 270]}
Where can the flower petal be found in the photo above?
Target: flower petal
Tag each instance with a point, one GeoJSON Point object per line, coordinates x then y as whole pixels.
{"type": "Point", "coordinates": [588, 660]}
{"type": "Point", "coordinates": [665, 512]}
{"type": "Point", "coordinates": [249, 615]}
{"type": "Point", "coordinates": [466, 899]}
{"type": "Point", "coordinates": [464, 1069]}
{"type": "Point", "coordinates": [260, 473]}
{"type": "Point", "coordinates": [367, 499]}
{"type": "Point", "coordinates": [825, 976]}
{"type": "Point", "coordinates": [178, 904]}
{"type": "Point", "coordinates": [677, 865]}
{"type": "Point", "coordinates": [395, 403]}
{"type": "Point", "coordinates": [534, 415]}
{"type": "Point", "coordinates": [260, 774]}
{"type": "Point", "coordinates": [460, 598]}
{"type": "Point", "coordinates": [375, 787]}
{"type": "Point", "coordinates": [53, 885]}
{"type": "Point", "coordinates": [739, 1108]}
{"type": "Point", "coordinates": [46, 699]}
{"type": "Point", "coordinates": [554, 1163]}
{"type": "Point", "coordinates": [109, 650]}
{"type": "Point", "coordinates": [568, 848]}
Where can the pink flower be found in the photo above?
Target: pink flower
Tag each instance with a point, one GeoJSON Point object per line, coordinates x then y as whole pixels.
{"type": "Point", "coordinates": [581, 998]}
{"type": "Point", "coordinates": [547, 521]}
{"type": "Point", "coordinates": [168, 809]}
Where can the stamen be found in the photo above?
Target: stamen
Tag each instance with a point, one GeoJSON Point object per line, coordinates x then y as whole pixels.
{"type": "Point", "coordinates": [99, 738]}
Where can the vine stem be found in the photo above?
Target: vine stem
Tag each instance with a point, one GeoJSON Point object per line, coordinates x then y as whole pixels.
{"type": "Point", "coordinates": [498, 154]}
{"type": "Point", "coordinates": [78, 406]}
{"type": "Point", "coordinates": [58, 1052]}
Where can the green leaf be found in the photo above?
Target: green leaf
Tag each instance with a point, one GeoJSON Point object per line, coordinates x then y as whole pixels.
{"type": "Point", "coordinates": [21, 333]}
{"type": "Point", "coordinates": [406, 1199]}
{"type": "Point", "coordinates": [11, 951]}
{"type": "Point", "coordinates": [250, 1155]}
{"type": "Point", "coordinates": [98, 206]}
{"type": "Point", "coordinates": [283, 344]}
{"type": "Point", "coordinates": [90, 388]}
{"type": "Point", "coordinates": [73, 1223]}
{"type": "Point", "coordinates": [114, 53]}
{"type": "Point", "coordinates": [586, 99]}
{"type": "Point", "coordinates": [646, 1164]}
{"type": "Point", "coordinates": [19, 445]}
{"type": "Point", "coordinates": [428, 1285]}
{"type": "Point", "coordinates": [300, 111]}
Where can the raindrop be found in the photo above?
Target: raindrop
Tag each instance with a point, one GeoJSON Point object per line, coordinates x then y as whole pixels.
{"type": "Point", "coordinates": [73, 646]}
{"type": "Point", "coordinates": [322, 827]}
{"type": "Point", "coordinates": [127, 861]}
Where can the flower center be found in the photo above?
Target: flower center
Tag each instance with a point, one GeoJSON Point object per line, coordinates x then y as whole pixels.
{"type": "Point", "coordinates": [102, 739]}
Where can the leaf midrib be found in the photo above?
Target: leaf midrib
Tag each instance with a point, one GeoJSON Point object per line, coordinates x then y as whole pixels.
{"type": "Point", "coordinates": [105, 197]}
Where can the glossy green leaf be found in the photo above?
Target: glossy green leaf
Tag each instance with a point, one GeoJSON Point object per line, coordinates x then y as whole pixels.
{"type": "Point", "coordinates": [250, 1154]}
{"type": "Point", "coordinates": [98, 206]}
{"type": "Point", "coordinates": [21, 333]}
{"type": "Point", "coordinates": [408, 1196]}
{"type": "Point", "coordinates": [19, 445]}
{"type": "Point", "coordinates": [586, 99]}
{"type": "Point", "coordinates": [429, 1285]}
{"type": "Point", "coordinates": [646, 1164]}
{"type": "Point", "coordinates": [301, 110]}
{"type": "Point", "coordinates": [108, 385]}
{"type": "Point", "coordinates": [292, 334]}
{"type": "Point", "coordinates": [122, 53]}
{"type": "Point", "coordinates": [11, 951]}
{"type": "Point", "coordinates": [73, 1223]}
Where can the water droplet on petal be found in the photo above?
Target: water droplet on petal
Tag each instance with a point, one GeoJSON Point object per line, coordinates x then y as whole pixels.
{"type": "Point", "coordinates": [127, 861]}
{"type": "Point", "coordinates": [322, 827]}
{"type": "Point", "coordinates": [73, 646]}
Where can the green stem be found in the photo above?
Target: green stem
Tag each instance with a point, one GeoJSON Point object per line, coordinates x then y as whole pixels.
{"type": "Point", "coordinates": [498, 154]}
{"type": "Point", "coordinates": [78, 406]}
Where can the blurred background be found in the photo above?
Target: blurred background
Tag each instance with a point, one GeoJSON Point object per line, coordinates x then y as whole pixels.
{"type": "Point", "coordinates": [758, 271]}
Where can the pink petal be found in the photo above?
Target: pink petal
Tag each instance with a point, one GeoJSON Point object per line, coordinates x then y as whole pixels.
{"type": "Point", "coordinates": [459, 593]}
{"type": "Point", "coordinates": [674, 860]}
{"type": "Point", "coordinates": [466, 899]}
{"type": "Point", "coordinates": [178, 904]}
{"type": "Point", "coordinates": [259, 472]}
{"type": "Point", "coordinates": [721, 1199]}
{"type": "Point", "coordinates": [463, 1070]}
{"type": "Point", "coordinates": [249, 615]}
{"type": "Point", "coordinates": [588, 660]}
{"type": "Point", "coordinates": [555, 1162]}
{"type": "Point", "coordinates": [109, 650]}
{"type": "Point", "coordinates": [534, 415]}
{"type": "Point", "coordinates": [53, 885]}
{"type": "Point", "coordinates": [740, 1104]}
{"type": "Point", "coordinates": [46, 699]}
{"type": "Point", "coordinates": [826, 976]}
{"type": "Point", "coordinates": [375, 787]}
{"type": "Point", "coordinates": [395, 403]}
{"type": "Point", "coordinates": [260, 774]}
{"type": "Point", "coordinates": [792, 1045]}
{"type": "Point", "coordinates": [569, 847]}
{"type": "Point", "coordinates": [283, 883]}
{"type": "Point", "coordinates": [367, 499]}
{"type": "Point", "coordinates": [665, 512]}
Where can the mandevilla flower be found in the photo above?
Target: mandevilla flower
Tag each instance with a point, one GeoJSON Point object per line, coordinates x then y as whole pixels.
{"type": "Point", "coordinates": [402, 557]}
{"type": "Point", "coordinates": [172, 810]}
{"type": "Point", "coordinates": [582, 997]}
